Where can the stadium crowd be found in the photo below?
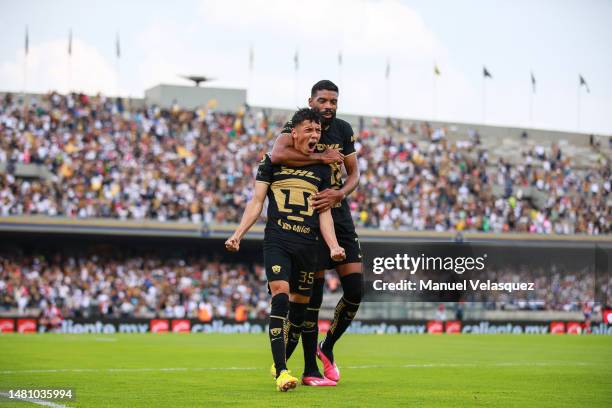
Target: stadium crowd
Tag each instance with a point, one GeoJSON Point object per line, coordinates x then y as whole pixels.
{"type": "Point", "coordinates": [109, 160]}
{"type": "Point", "coordinates": [155, 285]}
{"type": "Point", "coordinates": [123, 286]}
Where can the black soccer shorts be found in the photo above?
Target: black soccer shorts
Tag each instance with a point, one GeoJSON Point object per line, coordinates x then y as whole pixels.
{"type": "Point", "coordinates": [347, 239]}
{"type": "Point", "coordinates": [293, 262]}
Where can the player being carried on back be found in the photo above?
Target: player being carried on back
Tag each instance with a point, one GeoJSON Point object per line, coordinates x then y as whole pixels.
{"type": "Point", "coordinates": [292, 234]}
{"type": "Point", "coordinates": [335, 148]}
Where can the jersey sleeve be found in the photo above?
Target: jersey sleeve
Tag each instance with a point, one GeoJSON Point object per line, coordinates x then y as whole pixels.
{"type": "Point", "coordinates": [287, 128]}
{"type": "Point", "coordinates": [349, 140]}
{"type": "Point", "coordinates": [264, 171]}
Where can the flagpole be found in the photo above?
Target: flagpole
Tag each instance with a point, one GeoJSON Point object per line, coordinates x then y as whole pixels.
{"type": "Point", "coordinates": [295, 89]}
{"type": "Point", "coordinates": [69, 85]}
{"type": "Point", "coordinates": [250, 83]}
{"type": "Point", "coordinates": [296, 61]}
{"type": "Point", "coordinates": [578, 108]}
{"type": "Point", "coordinates": [25, 75]}
{"type": "Point", "coordinates": [387, 88]}
{"type": "Point", "coordinates": [340, 70]}
{"type": "Point", "coordinates": [435, 95]}
{"type": "Point", "coordinates": [484, 99]}
{"type": "Point", "coordinates": [118, 68]}
{"type": "Point", "coordinates": [249, 86]}
{"type": "Point", "coordinates": [531, 108]}
{"type": "Point", "coordinates": [388, 97]}
{"type": "Point", "coordinates": [69, 75]}
{"type": "Point", "coordinates": [117, 65]}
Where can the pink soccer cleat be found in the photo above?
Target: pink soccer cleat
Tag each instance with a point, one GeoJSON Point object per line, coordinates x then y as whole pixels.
{"type": "Point", "coordinates": [330, 370]}
{"type": "Point", "coordinates": [318, 382]}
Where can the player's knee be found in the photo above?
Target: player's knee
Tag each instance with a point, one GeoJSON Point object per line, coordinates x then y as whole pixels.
{"type": "Point", "coordinates": [297, 298]}
{"type": "Point", "coordinates": [297, 312]}
{"type": "Point", "coordinates": [280, 305]}
{"type": "Point", "coordinates": [352, 285]}
{"type": "Point", "coordinates": [278, 287]}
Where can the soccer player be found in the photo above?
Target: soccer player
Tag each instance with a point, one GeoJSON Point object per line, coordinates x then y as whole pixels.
{"type": "Point", "coordinates": [336, 147]}
{"type": "Point", "coordinates": [292, 233]}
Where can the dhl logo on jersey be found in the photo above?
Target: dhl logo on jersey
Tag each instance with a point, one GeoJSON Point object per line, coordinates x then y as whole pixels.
{"type": "Point", "coordinates": [296, 172]}
{"type": "Point", "coordinates": [322, 146]}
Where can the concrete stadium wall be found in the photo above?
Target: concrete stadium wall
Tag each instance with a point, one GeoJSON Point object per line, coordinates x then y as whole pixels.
{"type": "Point", "coordinates": [192, 97]}
{"type": "Point", "coordinates": [172, 229]}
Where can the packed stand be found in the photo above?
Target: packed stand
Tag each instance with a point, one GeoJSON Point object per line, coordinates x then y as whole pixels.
{"type": "Point", "coordinates": [108, 160]}
{"type": "Point", "coordinates": [132, 286]}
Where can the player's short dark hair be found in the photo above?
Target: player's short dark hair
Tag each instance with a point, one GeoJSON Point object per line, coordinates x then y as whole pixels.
{"type": "Point", "coordinates": [305, 114]}
{"type": "Point", "coordinates": [323, 85]}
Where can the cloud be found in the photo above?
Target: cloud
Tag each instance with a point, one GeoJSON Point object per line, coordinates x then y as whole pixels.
{"type": "Point", "coordinates": [366, 32]}
{"type": "Point", "coordinates": [49, 68]}
{"type": "Point", "coordinates": [380, 27]}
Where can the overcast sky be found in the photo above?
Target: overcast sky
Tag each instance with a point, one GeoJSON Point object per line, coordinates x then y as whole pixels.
{"type": "Point", "coordinates": [556, 39]}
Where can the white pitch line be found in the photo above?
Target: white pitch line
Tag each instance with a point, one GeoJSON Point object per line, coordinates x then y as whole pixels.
{"type": "Point", "coordinates": [128, 370]}
{"type": "Point", "coordinates": [466, 365]}
{"type": "Point", "coordinates": [105, 340]}
{"type": "Point", "coordinates": [179, 369]}
{"type": "Point", "coordinates": [34, 401]}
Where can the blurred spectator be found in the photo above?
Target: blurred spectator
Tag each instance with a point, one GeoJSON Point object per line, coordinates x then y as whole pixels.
{"type": "Point", "coordinates": [124, 286]}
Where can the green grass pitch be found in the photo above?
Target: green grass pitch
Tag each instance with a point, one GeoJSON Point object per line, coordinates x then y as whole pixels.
{"type": "Point", "coordinates": [191, 370]}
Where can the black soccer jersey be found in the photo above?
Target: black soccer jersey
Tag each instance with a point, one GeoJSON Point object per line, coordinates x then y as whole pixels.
{"type": "Point", "coordinates": [338, 135]}
{"type": "Point", "coordinates": [290, 213]}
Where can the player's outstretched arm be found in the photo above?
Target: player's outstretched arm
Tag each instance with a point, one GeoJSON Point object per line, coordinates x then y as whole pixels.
{"type": "Point", "coordinates": [284, 153]}
{"type": "Point", "coordinates": [326, 223]}
{"type": "Point", "coordinates": [250, 216]}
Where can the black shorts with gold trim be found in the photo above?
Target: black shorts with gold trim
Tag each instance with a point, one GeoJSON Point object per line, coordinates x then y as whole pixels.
{"type": "Point", "coordinates": [293, 262]}
{"type": "Point", "coordinates": [347, 239]}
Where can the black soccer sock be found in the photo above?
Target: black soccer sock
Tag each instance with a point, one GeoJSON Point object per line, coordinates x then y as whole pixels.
{"type": "Point", "coordinates": [345, 312]}
{"type": "Point", "coordinates": [293, 326]}
{"type": "Point", "coordinates": [278, 313]}
{"type": "Point", "coordinates": [310, 329]}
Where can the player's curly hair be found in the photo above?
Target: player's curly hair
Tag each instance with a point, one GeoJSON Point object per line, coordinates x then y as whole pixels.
{"type": "Point", "coordinates": [305, 114]}
{"type": "Point", "coordinates": [323, 85]}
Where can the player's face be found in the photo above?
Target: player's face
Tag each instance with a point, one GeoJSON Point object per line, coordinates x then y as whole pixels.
{"type": "Point", "coordinates": [306, 135]}
{"type": "Point", "coordinates": [325, 102]}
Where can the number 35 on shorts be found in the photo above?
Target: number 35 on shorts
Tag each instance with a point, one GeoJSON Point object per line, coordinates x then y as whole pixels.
{"type": "Point", "coordinates": [306, 277]}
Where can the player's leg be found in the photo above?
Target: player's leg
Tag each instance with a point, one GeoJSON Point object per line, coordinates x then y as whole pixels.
{"type": "Point", "coordinates": [351, 279]}
{"type": "Point", "coordinates": [280, 306]}
{"type": "Point", "coordinates": [278, 312]}
{"type": "Point", "coordinates": [295, 321]}
{"type": "Point", "coordinates": [310, 331]}
{"type": "Point", "coordinates": [277, 262]}
{"type": "Point", "coordinates": [343, 316]}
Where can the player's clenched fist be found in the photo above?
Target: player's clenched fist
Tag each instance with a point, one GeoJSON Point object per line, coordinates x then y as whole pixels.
{"type": "Point", "coordinates": [232, 244]}
{"type": "Point", "coordinates": [337, 254]}
{"type": "Point", "coordinates": [330, 156]}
